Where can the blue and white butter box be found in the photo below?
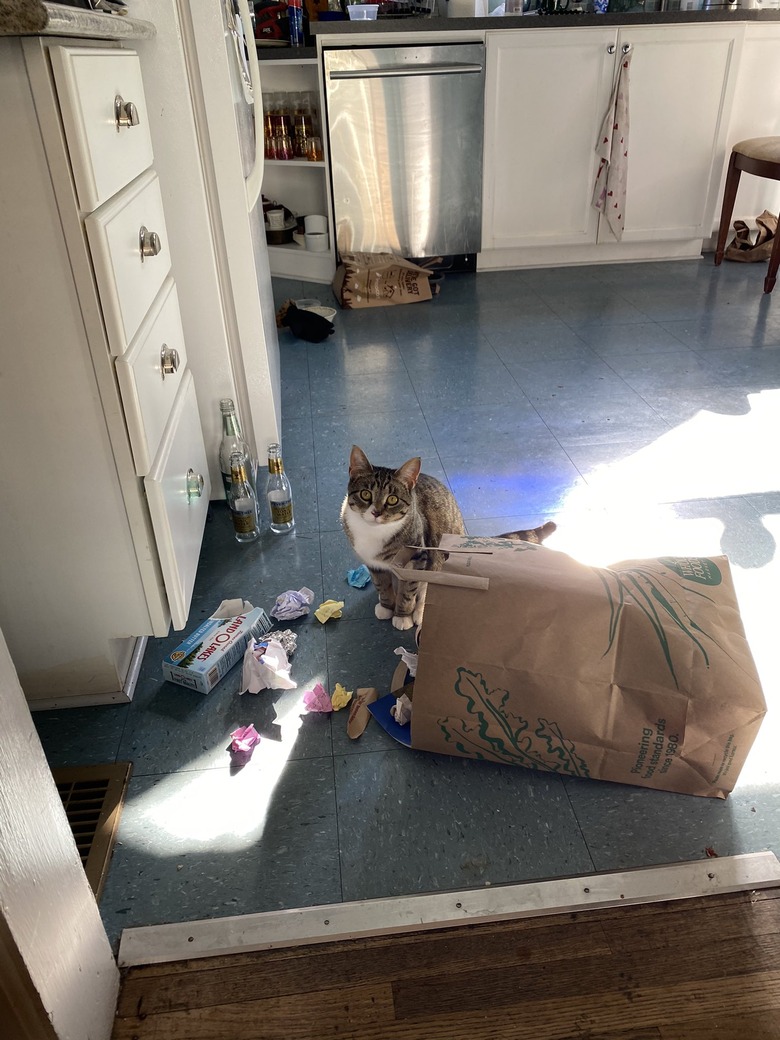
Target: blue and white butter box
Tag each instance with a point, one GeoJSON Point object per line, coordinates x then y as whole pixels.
{"type": "Point", "coordinates": [208, 653]}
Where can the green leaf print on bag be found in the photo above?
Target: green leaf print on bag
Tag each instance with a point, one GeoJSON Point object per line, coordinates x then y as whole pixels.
{"type": "Point", "coordinates": [477, 542]}
{"type": "Point", "coordinates": [694, 568]}
{"type": "Point", "coordinates": [659, 602]}
{"type": "Point", "coordinates": [490, 727]}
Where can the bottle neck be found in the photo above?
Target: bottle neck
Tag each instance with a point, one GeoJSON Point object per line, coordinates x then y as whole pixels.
{"type": "Point", "coordinates": [230, 427]}
{"type": "Point", "coordinates": [275, 465]}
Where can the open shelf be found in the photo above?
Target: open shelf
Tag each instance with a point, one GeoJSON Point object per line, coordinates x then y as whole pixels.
{"type": "Point", "coordinates": [295, 162]}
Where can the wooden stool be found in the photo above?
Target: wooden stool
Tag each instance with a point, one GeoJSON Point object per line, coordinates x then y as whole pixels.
{"type": "Point", "coordinates": [761, 157]}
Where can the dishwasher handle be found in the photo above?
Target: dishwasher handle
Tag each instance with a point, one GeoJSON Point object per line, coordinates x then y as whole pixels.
{"type": "Point", "coordinates": [398, 71]}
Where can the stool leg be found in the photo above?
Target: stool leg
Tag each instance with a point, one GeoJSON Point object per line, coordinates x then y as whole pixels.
{"type": "Point", "coordinates": [774, 263]}
{"type": "Point", "coordinates": [729, 197]}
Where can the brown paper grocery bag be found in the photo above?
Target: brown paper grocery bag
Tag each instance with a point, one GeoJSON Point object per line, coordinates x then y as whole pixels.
{"type": "Point", "coordinates": [638, 673]}
{"type": "Point", "coordinates": [379, 280]}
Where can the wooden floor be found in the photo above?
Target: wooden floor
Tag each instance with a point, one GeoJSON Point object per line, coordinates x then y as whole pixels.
{"type": "Point", "coordinates": [699, 969]}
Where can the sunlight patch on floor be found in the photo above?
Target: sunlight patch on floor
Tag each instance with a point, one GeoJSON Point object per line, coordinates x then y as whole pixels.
{"type": "Point", "coordinates": [202, 805]}
{"type": "Point", "coordinates": [627, 511]}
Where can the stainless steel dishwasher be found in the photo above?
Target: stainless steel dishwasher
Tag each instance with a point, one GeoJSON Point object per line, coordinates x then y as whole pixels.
{"type": "Point", "coordinates": [405, 135]}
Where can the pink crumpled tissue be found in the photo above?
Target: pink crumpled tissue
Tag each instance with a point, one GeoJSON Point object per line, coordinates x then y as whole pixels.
{"type": "Point", "coordinates": [318, 699]}
{"type": "Point", "coordinates": [243, 744]}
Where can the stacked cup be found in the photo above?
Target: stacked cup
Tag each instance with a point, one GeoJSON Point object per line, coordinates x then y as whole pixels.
{"type": "Point", "coordinates": [316, 233]}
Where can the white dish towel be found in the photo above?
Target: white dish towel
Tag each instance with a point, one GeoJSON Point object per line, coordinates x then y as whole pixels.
{"type": "Point", "coordinates": [609, 191]}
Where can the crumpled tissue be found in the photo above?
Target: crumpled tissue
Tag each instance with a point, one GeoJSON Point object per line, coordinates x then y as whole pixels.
{"type": "Point", "coordinates": [402, 710]}
{"type": "Point", "coordinates": [243, 743]}
{"type": "Point", "coordinates": [341, 697]}
{"type": "Point", "coordinates": [266, 668]}
{"type": "Point", "coordinates": [292, 604]}
{"type": "Point", "coordinates": [317, 699]}
{"type": "Point", "coordinates": [359, 577]}
{"type": "Point", "coordinates": [408, 658]}
{"type": "Point", "coordinates": [331, 608]}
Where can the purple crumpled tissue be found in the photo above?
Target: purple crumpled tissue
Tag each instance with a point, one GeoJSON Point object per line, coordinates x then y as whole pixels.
{"type": "Point", "coordinates": [292, 604]}
{"type": "Point", "coordinates": [243, 744]}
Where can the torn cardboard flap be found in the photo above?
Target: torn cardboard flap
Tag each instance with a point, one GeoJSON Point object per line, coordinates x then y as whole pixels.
{"type": "Point", "coordinates": [359, 714]}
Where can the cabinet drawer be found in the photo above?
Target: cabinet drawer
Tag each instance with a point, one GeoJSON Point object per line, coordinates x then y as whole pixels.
{"type": "Point", "coordinates": [104, 153]}
{"type": "Point", "coordinates": [146, 378]}
{"type": "Point", "coordinates": [128, 280]}
{"type": "Point", "coordinates": [178, 512]}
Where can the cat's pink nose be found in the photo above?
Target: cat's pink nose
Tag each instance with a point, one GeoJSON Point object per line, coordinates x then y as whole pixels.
{"type": "Point", "coordinates": [374, 513]}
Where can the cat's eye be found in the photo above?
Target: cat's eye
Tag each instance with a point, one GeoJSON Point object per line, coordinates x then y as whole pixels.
{"type": "Point", "coordinates": [365, 495]}
{"type": "Point", "coordinates": [392, 500]}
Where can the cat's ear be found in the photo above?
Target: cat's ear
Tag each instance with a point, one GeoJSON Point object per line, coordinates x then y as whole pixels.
{"type": "Point", "coordinates": [358, 463]}
{"type": "Point", "coordinates": [409, 472]}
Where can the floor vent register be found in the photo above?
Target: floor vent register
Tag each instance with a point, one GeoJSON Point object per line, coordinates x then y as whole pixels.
{"type": "Point", "coordinates": [93, 797]}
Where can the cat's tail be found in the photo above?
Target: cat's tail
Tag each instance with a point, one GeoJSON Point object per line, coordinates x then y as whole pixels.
{"type": "Point", "coordinates": [538, 534]}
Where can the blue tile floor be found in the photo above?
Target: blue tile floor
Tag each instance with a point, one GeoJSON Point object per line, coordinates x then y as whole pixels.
{"type": "Point", "coordinates": [638, 406]}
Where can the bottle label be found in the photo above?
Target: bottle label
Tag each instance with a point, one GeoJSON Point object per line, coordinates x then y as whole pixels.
{"type": "Point", "coordinates": [227, 482]}
{"type": "Point", "coordinates": [244, 523]}
{"type": "Point", "coordinates": [281, 512]}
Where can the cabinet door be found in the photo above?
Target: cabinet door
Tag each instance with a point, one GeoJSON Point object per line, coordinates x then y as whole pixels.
{"type": "Point", "coordinates": [755, 113]}
{"type": "Point", "coordinates": [108, 141]}
{"type": "Point", "coordinates": [546, 93]}
{"type": "Point", "coordinates": [150, 373]}
{"type": "Point", "coordinates": [682, 78]}
{"type": "Point", "coordinates": [178, 501]}
{"type": "Point", "coordinates": [129, 277]}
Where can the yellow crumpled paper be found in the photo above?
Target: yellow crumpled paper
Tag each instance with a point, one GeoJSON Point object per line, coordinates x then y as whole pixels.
{"type": "Point", "coordinates": [341, 697]}
{"type": "Point", "coordinates": [331, 608]}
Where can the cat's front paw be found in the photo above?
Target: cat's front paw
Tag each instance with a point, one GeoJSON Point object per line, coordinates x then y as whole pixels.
{"type": "Point", "coordinates": [402, 623]}
{"type": "Point", "coordinates": [383, 613]}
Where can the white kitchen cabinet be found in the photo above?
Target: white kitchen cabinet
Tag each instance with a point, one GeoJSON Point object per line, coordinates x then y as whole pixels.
{"type": "Point", "coordinates": [105, 481]}
{"type": "Point", "coordinates": [755, 112]}
{"type": "Point", "coordinates": [298, 184]}
{"type": "Point", "coordinates": [682, 80]}
{"type": "Point", "coordinates": [545, 95]}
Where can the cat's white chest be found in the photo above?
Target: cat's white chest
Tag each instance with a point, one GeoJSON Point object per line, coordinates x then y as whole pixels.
{"type": "Point", "coordinates": [369, 540]}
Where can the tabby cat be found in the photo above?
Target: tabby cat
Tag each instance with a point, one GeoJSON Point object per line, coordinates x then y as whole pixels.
{"type": "Point", "coordinates": [387, 509]}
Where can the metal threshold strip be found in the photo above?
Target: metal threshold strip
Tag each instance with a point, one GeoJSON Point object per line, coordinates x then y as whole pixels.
{"type": "Point", "coordinates": [92, 797]}
{"type": "Point", "coordinates": [318, 924]}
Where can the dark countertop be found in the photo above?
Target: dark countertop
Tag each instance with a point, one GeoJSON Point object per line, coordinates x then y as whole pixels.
{"type": "Point", "coordinates": [568, 21]}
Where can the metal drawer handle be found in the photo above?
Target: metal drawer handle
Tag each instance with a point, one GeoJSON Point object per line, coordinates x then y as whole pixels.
{"type": "Point", "coordinates": [148, 243]}
{"type": "Point", "coordinates": [169, 360]}
{"type": "Point", "coordinates": [611, 49]}
{"type": "Point", "coordinates": [394, 71]}
{"type": "Point", "coordinates": [125, 113]}
{"type": "Point", "coordinates": [626, 48]}
{"type": "Point", "coordinates": [195, 484]}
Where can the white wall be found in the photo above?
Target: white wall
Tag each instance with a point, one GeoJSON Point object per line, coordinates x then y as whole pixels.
{"type": "Point", "coordinates": [54, 953]}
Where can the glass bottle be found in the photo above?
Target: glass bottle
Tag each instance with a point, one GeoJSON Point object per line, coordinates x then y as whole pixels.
{"type": "Point", "coordinates": [242, 501]}
{"type": "Point", "coordinates": [278, 492]}
{"type": "Point", "coordinates": [232, 441]}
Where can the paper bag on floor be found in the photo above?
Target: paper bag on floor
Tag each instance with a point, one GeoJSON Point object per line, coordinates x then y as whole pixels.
{"type": "Point", "coordinates": [379, 280]}
{"type": "Point", "coordinates": [638, 673]}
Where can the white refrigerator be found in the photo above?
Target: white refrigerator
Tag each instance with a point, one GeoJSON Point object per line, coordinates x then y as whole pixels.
{"type": "Point", "coordinates": [199, 98]}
